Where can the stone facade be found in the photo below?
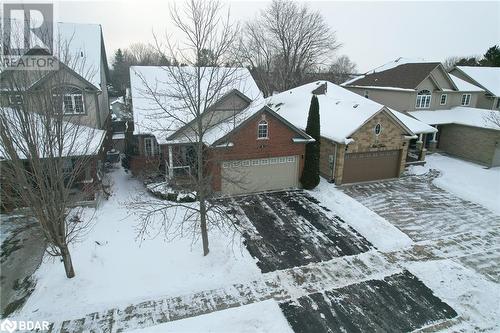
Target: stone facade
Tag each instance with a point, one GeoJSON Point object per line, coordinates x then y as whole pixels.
{"type": "Point", "coordinates": [391, 137]}
{"type": "Point", "coordinates": [471, 143]}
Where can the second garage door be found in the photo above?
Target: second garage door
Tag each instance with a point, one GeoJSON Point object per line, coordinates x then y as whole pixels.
{"type": "Point", "coordinates": [360, 167]}
{"type": "Point", "coordinates": [246, 176]}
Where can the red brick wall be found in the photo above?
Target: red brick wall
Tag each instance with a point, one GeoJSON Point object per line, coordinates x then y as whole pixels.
{"type": "Point", "coordinates": [247, 146]}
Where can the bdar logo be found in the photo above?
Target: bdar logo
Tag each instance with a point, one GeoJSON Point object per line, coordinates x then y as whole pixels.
{"type": "Point", "coordinates": [8, 325]}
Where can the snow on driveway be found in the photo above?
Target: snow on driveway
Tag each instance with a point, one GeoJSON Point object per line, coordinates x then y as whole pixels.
{"type": "Point", "coordinates": [261, 317]}
{"type": "Point", "coordinates": [114, 269]}
{"type": "Point", "coordinates": [466, 180]}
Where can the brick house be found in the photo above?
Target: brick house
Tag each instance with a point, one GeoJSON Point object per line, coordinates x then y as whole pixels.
{"type": "Point", "coordinates": [451, 102]}
{"type": "Point", "coordinates": [361, 140]}
{"type": "Point", "coordinates": [249, 148]}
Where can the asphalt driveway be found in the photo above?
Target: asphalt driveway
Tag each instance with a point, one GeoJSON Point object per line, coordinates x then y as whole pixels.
{"type": "Point", "coordinates": [289, 229]}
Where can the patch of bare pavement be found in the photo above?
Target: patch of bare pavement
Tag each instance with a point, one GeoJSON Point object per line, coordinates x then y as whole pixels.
{"type": "Point", "coordinates": [21, 253]}
{"type": "Point", "coordinates": [398, 303]}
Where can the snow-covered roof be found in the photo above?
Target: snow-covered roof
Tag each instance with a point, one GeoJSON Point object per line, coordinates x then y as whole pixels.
{"type": "Point", "coordinates": [118, 100]}
{"type": "Point", "coordinates": [80, 47]}
{"type": "Point", "coordinates": [410, 75]}
{"type": "Point", "coordinates": [487, 77]}
{"type": "Point", "coordinates": [79, 140]}
{"type": "Point", "coordinates": [464, 85]}
{"type": "Point", "coordinates": [156, 96]}
{"type": "Point", "coordinates": [415, 125]}
{"type": "Point", "coordinates": [84, 43]}
{"type": "Point", "coordinates": [342, 112]}
{"type": "Point", "coordinates": [458, 115]}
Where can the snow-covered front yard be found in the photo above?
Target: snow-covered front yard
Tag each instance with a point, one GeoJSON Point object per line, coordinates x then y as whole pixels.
{"type": "Point", "coordinates": [113, 268]}
{"type": "Point", "coordinates": [467, 180]}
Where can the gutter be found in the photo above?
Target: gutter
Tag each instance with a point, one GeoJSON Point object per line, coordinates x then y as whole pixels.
{"type": "Point", "coordinates": [299, 140]}
{"type": "Point", "coordinates": [410, 137]}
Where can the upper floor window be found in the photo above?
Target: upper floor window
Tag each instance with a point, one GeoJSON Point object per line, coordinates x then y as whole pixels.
{"type": "Point", "coordinates": [15, 99]}
{"type": "Point", "coordinates": [366, 94]}
{"type": "Point", "coordinates": [262, 132]}
{"type": "Point", "coordinates": [69, 100]}
{"type": "Point", "coordinates": [444, 97]}
{"type": "Point", "coordinates": [466, 99]}
{"type": "Point", "coordinates": [377, 129]}
{"type": "Point", "coordinates": [498, 103]}
{"type": "Point", "coordinates": [423, 99]}
{"type": "Point", "coordinates": [150, 147]}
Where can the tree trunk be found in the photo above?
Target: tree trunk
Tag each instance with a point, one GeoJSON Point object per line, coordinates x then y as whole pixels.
{"type": "Point", "coordinates": [68, 264]}
{"type": "Point", "coordinates": [203, 226]}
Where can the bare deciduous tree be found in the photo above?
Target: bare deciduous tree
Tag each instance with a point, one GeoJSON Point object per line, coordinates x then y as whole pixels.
{"type": "Point", "coordinates": [285, 42]}
{"type": "Point", "coordinates": [45, 153]}
{"type": "Point", "coordinates": [342, 69]}
{"type": "Point", "coordinates": [184, 96]}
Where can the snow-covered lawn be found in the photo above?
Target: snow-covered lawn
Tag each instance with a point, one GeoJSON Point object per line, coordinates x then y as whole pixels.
{"type": "Point", "coordinates": [467, 180]}
{"type": "Point", "coordinates": [262, 317]}
{"type": "Point", "coordinates": [373, 227]}
{"type": "Point", "coordinates": [114, 269]}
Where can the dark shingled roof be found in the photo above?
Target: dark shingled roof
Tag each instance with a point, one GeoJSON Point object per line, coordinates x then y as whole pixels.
{"type": "Point", "coordinates": [407, 76]}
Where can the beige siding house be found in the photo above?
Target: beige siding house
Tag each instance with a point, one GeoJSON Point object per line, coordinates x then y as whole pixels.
{"type": "Point", "coordinates": [487, 78]}
{"type": "Point", "coordinates": [451, 102]}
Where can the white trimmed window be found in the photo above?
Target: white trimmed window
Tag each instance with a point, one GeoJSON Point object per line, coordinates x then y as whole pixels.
{"type": "Point", "coordinates": [377, 129]}
{"type": "Point", "coordinates": [444, 98]}
{"type": "Point", "coordinates": [466, 99]}
{"type": "Point", "coordinates": [70, 100]}
{"type": "Point", "coordinates": [262, 131]}
{"type": "Point", "coordinates": [150, 147]}
{"type": "Point", "coordinates": [423, 99]}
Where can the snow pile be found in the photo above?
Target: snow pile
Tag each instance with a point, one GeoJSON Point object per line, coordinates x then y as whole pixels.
{"type": "Point", "coordinates": [383, 235]}
{"type": "Point", "coordinates": [458, 115]}
{"type": "Point", "coordinates": [488, 77]}
{"type": "Point", "coordinates": [164, 191]}
{"type": "Point", "coordinates": [114, 269]}
{"type": "Point", "coordinates": [474, 298]}
{"type": "Point", "coordinates": [262, 317]}
{"type": "Point", "coordinates": [467, 180]}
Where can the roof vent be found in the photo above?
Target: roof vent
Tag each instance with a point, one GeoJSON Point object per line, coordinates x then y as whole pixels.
{"type": "Point", "coordinates": [355, 105]}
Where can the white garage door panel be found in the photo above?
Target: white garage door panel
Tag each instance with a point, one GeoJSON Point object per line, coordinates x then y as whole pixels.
{"type": "Point", "coordinates": [246, 176]}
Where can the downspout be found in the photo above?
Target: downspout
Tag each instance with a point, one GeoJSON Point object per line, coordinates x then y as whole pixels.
{"type": "Point", "coordinates": [334, 162]}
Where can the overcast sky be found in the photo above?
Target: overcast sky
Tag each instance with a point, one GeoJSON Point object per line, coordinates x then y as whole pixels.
{"type": "Point", "coordinates": [372, 33]}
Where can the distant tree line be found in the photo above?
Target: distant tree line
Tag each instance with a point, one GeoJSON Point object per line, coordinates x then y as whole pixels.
{"type": "Point", "coordinates": [285, 45]}
{"type": "Point", "coordinates": [490, 59]}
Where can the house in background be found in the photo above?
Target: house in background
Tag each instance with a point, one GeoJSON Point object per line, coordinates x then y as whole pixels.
{"type": "Point", "coordinates": [121, 119]}
{"type": "Point", "coordinates": [448, 102]}
{"type": "Point", "coordinates": [79, 91]}
{"type": "Point", "coordinates": [249, 148]}
{"type": "Point", "coordinates": [361, 140]}
{"type": "Point", "coordinates": [487, 78]}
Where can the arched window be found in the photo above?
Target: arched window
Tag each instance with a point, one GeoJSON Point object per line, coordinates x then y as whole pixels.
{"type": "Point", "coordinates": [423, 99]}
{"type": "Point", "coordinates": [377, 129]}
{"type": "Point", "coordinates": [262, 130]}
{"type": "Point", "coordinates": [69, 100]}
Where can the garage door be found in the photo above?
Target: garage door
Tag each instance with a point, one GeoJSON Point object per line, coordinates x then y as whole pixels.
{"type": "Point", "coordinates": [360, 167]}
{"type": "Point", "coordinates": [246, 176]}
